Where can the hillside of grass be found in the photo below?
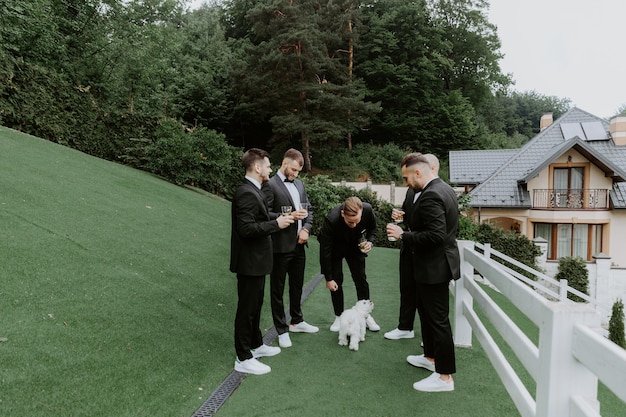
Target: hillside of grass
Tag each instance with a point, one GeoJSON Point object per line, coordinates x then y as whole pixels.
{"type": "Point", "coordinates": [116, 301]}
{"type": "Point", "coordinates": [115, 294]}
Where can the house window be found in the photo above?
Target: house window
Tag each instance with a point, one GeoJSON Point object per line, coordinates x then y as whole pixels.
{"type": "Point", "coordinates": [568, 186]}
{"type": "Point", "coordinates": [566, 239]}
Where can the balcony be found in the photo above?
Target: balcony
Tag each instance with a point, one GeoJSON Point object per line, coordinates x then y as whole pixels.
{"type": "Point", "coordinates": [571, 199]}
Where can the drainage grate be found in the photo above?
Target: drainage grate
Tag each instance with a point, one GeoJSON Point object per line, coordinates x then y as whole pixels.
{"type": "Point", "coordinates": [232, 381]}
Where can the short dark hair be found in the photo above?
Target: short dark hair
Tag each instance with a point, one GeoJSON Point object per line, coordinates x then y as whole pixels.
{"type": "Point", "coordinates": [414, 158]}
{"type": "Point", "coordinates": [252, 156]}
{"type": "Point", "coordinates": [294, 155]}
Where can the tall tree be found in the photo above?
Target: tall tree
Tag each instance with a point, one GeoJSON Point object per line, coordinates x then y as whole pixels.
{"type": "Point", "coordinates": [296, 76]}
{"type": "Point", "coordinates": [414, 61]}
{"type": "Point", "coordinates": [471, 48]}
{"type": "Point", "coordinates": [202, 67]}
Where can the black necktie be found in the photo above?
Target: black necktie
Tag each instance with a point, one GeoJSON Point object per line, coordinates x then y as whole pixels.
{"type": "Point", "coordinates": [288, 180]}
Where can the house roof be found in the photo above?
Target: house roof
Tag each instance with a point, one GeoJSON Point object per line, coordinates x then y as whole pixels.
{"type": "Point", "coordinates": [505, 185]}
{"type": "Point", "coordinates": [474, 167]}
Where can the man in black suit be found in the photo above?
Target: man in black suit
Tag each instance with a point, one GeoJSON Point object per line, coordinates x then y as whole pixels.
{"type": "Point", "coordinates": [285, 190]}
{"type": "Point", "coordinates": [349, 231]}
{"type": "Point", "coordinates": [429, 254]}
{"type": "Point", "coordinates": [251, 260]}
{"type": "Point", "coordinates": [408, 305]}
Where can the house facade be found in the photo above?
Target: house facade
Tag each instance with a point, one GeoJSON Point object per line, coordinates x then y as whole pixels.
{"type": "Point", "coordinates": [567, 185]}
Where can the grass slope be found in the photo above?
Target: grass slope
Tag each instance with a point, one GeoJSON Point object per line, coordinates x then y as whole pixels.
{"type": "Point", "coordinates": [115, 294]}
{"type": "Point", "coordinates": [116, 300]}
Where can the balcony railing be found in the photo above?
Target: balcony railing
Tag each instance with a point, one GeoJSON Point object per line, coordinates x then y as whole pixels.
{"type": "Point", "coordinates": [571, 199]}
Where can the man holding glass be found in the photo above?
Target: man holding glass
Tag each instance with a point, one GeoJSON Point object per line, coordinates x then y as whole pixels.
{"type": "Point", "coordinates": [407, 283]}
{"type": "Point", "coordinates": [286, 196]}
{"type": "Point", "coordinates": [429, 254]}
{"type": "Point", "coordinates": [251, 260]}
{"type": "Point", "coordinates": [348, 232]}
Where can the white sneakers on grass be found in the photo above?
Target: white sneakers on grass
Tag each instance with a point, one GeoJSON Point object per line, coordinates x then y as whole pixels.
{"type": "Point", "coordinates": [303, 327]}
{"type": "Point", "coordinates": [265, 350]}
{"type": "Point", "coordinates": [284, 341]}
{"type": "Point", "coordinates": [420, 361]}
{"type": "Point", "coordinates": [434, 383]}
{"type": "Point", "coordinates": [252, 365]}
{"type": "Point", "coordinates": [396, 334]}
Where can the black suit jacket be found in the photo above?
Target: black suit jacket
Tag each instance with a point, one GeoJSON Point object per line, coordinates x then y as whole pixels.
{"type": "Point", "coordinates": [337, 240]}
{"type": "Point", "coordinates": [278, 195]}
{"type": "Point", "coordinates": [430, 240]}
{"type": "Point", "coordinates": [251, 242]}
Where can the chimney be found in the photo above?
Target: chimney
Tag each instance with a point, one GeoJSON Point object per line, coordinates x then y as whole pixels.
{"type": "Point", "coordinates": [618, 130]}
{"type": "Point", "coordinates": [546, 120]}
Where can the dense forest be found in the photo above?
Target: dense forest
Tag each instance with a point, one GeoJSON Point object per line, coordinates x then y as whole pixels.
{"type": "Point", "coordinates": [151, 82]}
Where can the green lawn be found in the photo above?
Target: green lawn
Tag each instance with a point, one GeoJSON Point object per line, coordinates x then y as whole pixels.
{"type": "Point", "coordinates": [115, 294]}
{"type": "Point", "coordinates": [116, 300]}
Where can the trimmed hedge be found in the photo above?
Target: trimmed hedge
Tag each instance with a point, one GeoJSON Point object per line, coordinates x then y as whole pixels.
{"type": "Point", "coordinates": [574, 270]}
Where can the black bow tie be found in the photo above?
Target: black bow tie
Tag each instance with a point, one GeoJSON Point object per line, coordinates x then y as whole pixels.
{"type": "Point", "coordinates": [288, 180]}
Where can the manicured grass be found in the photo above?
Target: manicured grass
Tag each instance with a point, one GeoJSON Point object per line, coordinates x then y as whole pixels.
{"type": "Point", "coordinates": [317, 377]}
{"type": "Point", "coordinates": [116, 300]}
{"type": "Point", "coordinates": [115, 296]}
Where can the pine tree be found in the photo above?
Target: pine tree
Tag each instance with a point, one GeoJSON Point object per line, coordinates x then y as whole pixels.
{"type": "Point", "coordinates": [616, 324]}
{"type": "Point", "coordinates": [298, 73]}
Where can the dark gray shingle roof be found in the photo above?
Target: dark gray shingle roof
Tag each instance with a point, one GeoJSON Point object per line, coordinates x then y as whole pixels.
{"type": "Point", "coordinates": [474, 167]}
{"type": "Point", "coordinates": [505, 185]}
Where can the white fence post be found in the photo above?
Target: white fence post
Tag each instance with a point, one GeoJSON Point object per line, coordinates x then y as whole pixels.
{"type": "Point", "coordinates": [561, 376]}
{"type": "Point", "coordinates": [392, 193]}
{"type": "Point", "coordinates": [462, 327]}
{"type": "Point", "coordinates": [542, 244]}
{"type": "Point", "coordinates": [600, 283]}
{"type": "Point", "coordinates": [562, 290]}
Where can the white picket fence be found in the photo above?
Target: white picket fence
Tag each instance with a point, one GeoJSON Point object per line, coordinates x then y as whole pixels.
{"type": "Point", "coordinates": [571, 356]}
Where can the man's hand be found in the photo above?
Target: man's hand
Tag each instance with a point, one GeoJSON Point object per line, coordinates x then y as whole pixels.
{"type": "Point", "coordinates": [394, 231]}
{"type": "Point", "coordinates": [332, 285]}
{"type": "Point", "coordinates": [300, 214]}
{"type": "Point", "coordinates": [303, 236]}
{"type": "Point", "coordinates": [284, 221]}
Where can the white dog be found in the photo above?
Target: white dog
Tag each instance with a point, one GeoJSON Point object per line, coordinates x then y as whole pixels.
{"type": "Point", "coordinates": [352, 324]}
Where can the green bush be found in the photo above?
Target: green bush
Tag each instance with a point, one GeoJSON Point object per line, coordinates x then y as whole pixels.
{"type": "Point", "coordinates": [514, 245]}
{"type": "Point", "coordinates": [616, 324]}
{"type": "Point", "coordinates": [574, 270]}
{"type": "Point", "coordinates": [365, 161]}
{"type": "Point", "coordinates": [201, 158]}
{"type": "Point", "coordinates": [324, 196]}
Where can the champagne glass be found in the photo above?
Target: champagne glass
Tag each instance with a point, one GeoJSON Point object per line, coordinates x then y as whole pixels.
{"type": "Point", "coordinates": [362, 243]}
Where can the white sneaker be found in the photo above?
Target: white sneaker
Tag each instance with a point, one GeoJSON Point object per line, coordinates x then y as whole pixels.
{"type": "Point", "coordinates": [420, 361]}
{"type": "Point", "coordinates": [251, 366]}
{"type": "Point", "coordinates": [284, 341]}
{"type": "Point", "coordinates": [434, 383]}
{"type": "Point", "coordinates": [396, 334]}
{"type": "Point", "coordinates": [335, 326]}
{"type": "Point", "coordinates": [371, 324]}
{"type": "Point", "coordinates": [265, 350]}
{"type": "Point", "coordinates": [303, 327]}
